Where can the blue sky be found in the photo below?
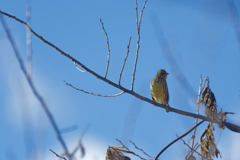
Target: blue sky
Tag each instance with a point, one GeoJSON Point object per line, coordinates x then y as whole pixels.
{"type": "Point", "coordinates": [198, 35]}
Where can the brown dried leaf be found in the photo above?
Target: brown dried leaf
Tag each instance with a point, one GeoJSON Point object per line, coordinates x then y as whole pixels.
{"type": "Point", "coordinates": [113, 153]}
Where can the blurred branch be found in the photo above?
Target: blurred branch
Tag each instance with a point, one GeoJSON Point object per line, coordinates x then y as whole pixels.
{"type": "Point", "coordinates": [57, 155]}
{"type": "Point", "coordinates": [230, 126]}
{"type": "Point", "coordinates": [138, 33]}
{"type": "Point", "coordinates": [108, 47]}
{"type": "Point", "coordinates": [29, 41]}
{"type": "Point", "coordinates": [178, 139]}
{"type": "Point", "coordinates": [235, 20]}
{"type": "Point", "coordinates": [120, 76]}
{"type": "Point", "coordinates": [68, 129]}
{"type": "Point", "coordinates": [85, 129]}
{"type": "Point", "coordinates": [29, 80]}
{"type": "Point", "coordinates": [93, 93]}
{"type": "Point", "coordinates": [175, 68]}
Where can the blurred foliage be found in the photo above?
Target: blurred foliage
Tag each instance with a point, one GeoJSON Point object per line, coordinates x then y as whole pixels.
{"type": "Point", "coordinates": [208, 147]}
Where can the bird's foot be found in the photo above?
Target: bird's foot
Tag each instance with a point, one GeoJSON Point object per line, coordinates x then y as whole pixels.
{"type": "Point", "coordinates": [167, 110]}
{"type": "Point", "coordinates": [153, 103]}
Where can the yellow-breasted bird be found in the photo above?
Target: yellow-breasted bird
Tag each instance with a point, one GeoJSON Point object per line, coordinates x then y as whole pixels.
{"type": "Point", "coordinates": [159, 89]}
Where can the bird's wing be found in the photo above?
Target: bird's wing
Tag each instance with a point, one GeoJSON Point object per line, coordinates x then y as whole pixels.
{"type": "Point", "coordinates": [151, 91]}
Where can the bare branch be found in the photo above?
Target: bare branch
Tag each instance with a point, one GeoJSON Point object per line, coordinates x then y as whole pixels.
{"type": "Point", "coordinates": [78, 67]}
{"type": "Point", "coordinates": [137, 14]}
{"type": "Point", "coordinates": [141, 14]}
{"type": "Point", "coordinates": [108, 47]}
{"type": "Point", "coordinates": [93, 93]}
{"type": "Point", "coordinates": [120, 76]}
{"type": "Point", "coordinates": [138, 32]}
{"type": "Point", "coordinates": [57, 155]}
{"type": "Point", "coordinates": [128, 151]}
{"type": "Point", "coordinates": [122, 144]}
{"type": "Point", "coordinates": [178, 139]}
{"type": "Point", "coordinates": [199, 93]}
{"type": "Point", "coordinates": [29, 80]}
{"type": "Point", "coordinates": [195, 148]}
{"type": "Point", "coordinates": [230, 126]}
{"type": "Point", "coordinates": [142, 150]}
{"type": "Point", "coordinates": [192, 150]}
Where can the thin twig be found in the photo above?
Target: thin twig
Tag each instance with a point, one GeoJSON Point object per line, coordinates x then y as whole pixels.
{"type": "Point", "coordinates": [205, 80]}
{"type": "Point", "coordinates": [195, 148]}
{"type": "Point", "coordinates": [128, 151]}
{"type": "Point", "coordinates": [78, 67]}
{"type": "Point", "coordinates": [138, 46]}
{"type": "Point", "coordinates": [57, 155]}
{"type": "Point", "coordinates": [136, 14]}
{"type": "Point", "coordinates": [120, 76]}
{"type": "Point", "coordinates": [192, 150]}
{"type": "Point", "coordinates": [178, 139]}
{"type": "Point", "coordinates": [122, 144]}
{"type": "Point", "coordinates": [28, 41]}
{"type": "Point", "coordinates": [100, 95]}
{"type": "Point", "coordinates": [29, 80]}
{"type": "Point", "coordinates": [141, 150]}
{"type": "Point", "coordinates": [199, 93]}
{"type": "Point", "coordinates": [230, 126]}
{"type": "Point", "coordinates": [108, 47]}
{"type": "Point", "coordinates": [141, 13]}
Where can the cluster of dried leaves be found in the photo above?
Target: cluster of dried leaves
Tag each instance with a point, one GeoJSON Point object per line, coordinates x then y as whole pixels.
{"type": "Point", "coordinates": [208, 147]}
{"type": "Point", "coordinates": [208, 98]}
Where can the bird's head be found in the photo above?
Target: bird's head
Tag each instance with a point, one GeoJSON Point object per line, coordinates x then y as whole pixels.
{"type": "Point", "coordinates": [162, 73]}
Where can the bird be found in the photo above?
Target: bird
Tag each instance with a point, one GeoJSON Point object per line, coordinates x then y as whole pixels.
{"type": "Point", "coordinates": [159, 89]}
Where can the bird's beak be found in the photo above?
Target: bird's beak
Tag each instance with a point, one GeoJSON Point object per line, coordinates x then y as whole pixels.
{"type": "Point", "coordinates": [167, 73]}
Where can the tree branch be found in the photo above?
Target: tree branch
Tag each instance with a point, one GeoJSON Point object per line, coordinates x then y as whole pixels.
{"type": "Point", "coordinates": [199, 93]}
{"type": "Point", "coordinates": [141, 150]}
{"type": "Point", "coordinates": [114, 95]}
{"type": "Point", "coordinates": [57, 155]}
{"type": "Point", "coordinates": [29, 80]}
{"type": "Point", "coordinates": [108, 47]}
{"type": "Point", "coordinates": [230, 126]}
{"type": "Point", "coordinates": [128, 151]}
{"type": "Point", "coordinates": [192, 149]}
{"type": "Point", "coordinates": [120, 76]}
{"type": "Point", "coordinates": [178, 139]}
{"type": "Point", "coordinates": [79, 68]}
{"type": "Point", "coordinates": [138, 46]}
